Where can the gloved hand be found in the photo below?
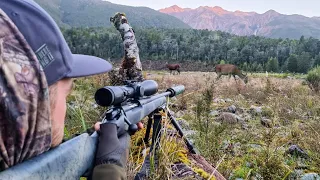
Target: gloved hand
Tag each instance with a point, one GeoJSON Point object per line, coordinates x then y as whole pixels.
{"type": "Point", "coordinates": [111, 148]}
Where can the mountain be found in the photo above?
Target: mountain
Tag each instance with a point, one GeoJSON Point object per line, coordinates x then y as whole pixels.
{"type": "Point", "coordinates": [270, 24]}
{"type": "Point", "coordinates": [96, 13]}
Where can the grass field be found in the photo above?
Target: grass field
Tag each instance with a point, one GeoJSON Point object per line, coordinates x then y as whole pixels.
{"type": "Point", "coordinates": [273, 131]}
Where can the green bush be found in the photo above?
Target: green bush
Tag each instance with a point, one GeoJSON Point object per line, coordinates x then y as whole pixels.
{"type": "Point", "coordinates": [313, 79]}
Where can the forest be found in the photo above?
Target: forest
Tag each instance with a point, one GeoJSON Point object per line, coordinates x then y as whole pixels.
{"type": "Point", "coordinates": [251, 53]}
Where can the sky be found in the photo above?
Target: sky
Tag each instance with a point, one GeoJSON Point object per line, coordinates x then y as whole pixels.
{"type": "Point", "coordinates": [308, 8]}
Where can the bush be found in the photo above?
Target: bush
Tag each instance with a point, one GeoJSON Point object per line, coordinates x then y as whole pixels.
{"type": "Point", "coordinates": [313, 79]}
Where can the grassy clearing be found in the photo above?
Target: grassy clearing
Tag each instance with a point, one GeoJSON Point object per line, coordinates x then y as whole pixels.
{"type": "Point", "coordinates": [244, 150]}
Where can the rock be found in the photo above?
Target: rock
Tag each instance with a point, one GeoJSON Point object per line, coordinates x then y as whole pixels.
{"type": "Point", "coordinates": [184, 124]}
{"type": "Point", "coordinates": [189, 132]}
{"type": "Point", "coordinates": [244, 126]}
{"type": "Point", "coordinates": [218, 100]}
{"type": "Point", "coordinates": [240, 110]}
{"type": "Point", "coordinates": [296, 150]}
{"type": "Point", "coordinates": [301, 165]}
{"type": "Point", "coordinates": [94, 105]}
{"type": "Point", "coordinates": [266, 122]}
{"type": "Point", "coordinates": [310, 176]}
{"type": "Point", "coordinates": [232, 109]}
{"type": "Point", "coordinates": [179, 114]}
{"type": "Point", "coordinates": [229, 118]}
{"type": "Point", "coordinates": [246, 116]}
{"type": "Point", "coordinates": [214, 113]}
{"type": "Point", "coordinates": [228, 100]}
{"type": "Point", "coordinates": [255, 146]}
{"type": "Point", "coordinates": [237, 148]}
{"type": "Point", "coordinates": [226, 144]}
{"type": "Point", "coordinates": [249, 165]}
{"type": "Point", "coordinates": [296, 174]}
{"type": "Point", "coordinates": [255, 110]}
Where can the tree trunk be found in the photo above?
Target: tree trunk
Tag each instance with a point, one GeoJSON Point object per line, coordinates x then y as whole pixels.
{"type": "Point", "coordinates": [131, 67]}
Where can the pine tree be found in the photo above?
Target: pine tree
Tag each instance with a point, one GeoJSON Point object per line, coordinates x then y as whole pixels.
{"type": "Point", "coordinates": [293, 63]}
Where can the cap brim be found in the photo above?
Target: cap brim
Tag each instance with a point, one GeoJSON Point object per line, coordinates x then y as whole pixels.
{"type": "Point", "coordinates": [84, 65]}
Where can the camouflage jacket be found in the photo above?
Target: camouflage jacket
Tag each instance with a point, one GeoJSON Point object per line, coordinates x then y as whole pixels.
{"type": "Point", "coordinates": [25, 126]}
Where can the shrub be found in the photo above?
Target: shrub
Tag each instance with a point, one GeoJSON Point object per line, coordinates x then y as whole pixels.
{"type": "Point", "coordinates": [313, 79]}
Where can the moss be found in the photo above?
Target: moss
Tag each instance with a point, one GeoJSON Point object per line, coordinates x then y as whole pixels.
{"type": "Point", "coordinates": [203, 174]}
{"type": "Point", "coordinates": [241, 172]}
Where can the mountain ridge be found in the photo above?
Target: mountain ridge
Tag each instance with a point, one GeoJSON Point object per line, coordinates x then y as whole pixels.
{"type": "Point", "coordinates": [96, 13]}
{"type": "Point", "coordinates": [269, 24]}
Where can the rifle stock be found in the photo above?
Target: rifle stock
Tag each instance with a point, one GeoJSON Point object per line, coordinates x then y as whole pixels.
{"type": "Point", "coordinates": [70, 160]}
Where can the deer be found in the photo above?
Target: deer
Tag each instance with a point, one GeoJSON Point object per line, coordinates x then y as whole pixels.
{"type": "Point", "coordinates": [230, 69]}
{"type": "Point", "coordinates": [173, 67]}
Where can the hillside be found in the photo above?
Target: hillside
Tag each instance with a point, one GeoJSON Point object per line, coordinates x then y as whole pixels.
{"type": "Point", "coordinates": [96, 13]}
{"type": "Point", "coordinates": [269, 24]}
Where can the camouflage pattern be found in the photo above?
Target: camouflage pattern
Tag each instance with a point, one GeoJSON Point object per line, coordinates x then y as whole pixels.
{"type": "Point", "coordinates": [25, 126]}
{"type": "Point", "coordinates": [131, 67]}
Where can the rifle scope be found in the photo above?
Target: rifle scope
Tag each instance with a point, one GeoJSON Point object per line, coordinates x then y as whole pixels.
{"type": "Point", "coordinates": [113, 95]}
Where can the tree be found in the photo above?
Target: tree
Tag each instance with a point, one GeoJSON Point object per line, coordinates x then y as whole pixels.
{"type": "Point", "coordinates": [193, 45]}
{"type": "Point", "coordinates": [273, 65]}
{"type": "Point", "coordinates": [316, 60]}
{"type": "Point", "coordinates": [305, 62]}
{"type": "Point", "coordinates": [259, 68]}
{"type": "Point", "coordinates": [254, 66]}
{"type": "Point", "coordinates": [284, 67]}
{"type": "Point", "coordinates": [293, 63]}
{"type": "Point", "coordinates": [245, 67]}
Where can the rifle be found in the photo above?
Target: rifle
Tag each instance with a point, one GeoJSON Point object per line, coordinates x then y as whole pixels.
{"type": "Point", "coordinates": [73, 159]}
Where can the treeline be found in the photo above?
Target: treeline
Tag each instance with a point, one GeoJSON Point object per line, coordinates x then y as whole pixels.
{"type": "Point", "coordinates": [210, 47]}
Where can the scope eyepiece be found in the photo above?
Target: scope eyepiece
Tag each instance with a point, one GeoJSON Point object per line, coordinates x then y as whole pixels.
{"type": "Point", "coordinates": [113, 95]}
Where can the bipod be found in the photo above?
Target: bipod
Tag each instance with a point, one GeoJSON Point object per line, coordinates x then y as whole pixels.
{"type": "Point", "coordinates": [154, 121]}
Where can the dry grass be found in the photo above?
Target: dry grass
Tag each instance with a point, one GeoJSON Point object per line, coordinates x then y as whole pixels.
{"type": "Point", "coordinates": [292, 107]}
{"type": "Point", "coordinates": [255, 151]}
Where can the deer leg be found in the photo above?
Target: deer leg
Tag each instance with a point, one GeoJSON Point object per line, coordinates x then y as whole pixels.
{"type": "Point", "coordinates": [234, 76]}
{"type": "Point", "coordinates": [219, 75]}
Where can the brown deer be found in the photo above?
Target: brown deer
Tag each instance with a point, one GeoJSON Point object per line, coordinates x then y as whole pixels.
{"type": "Point", "coordinates": [173, 67]}
{"type": "Point", "coordinates": [230, 69]}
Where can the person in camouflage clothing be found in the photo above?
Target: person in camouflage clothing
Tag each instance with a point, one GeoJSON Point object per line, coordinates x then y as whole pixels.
{"type": "Point", "coordinates": [36, 71]}
{"type": "Point", "coordinates": [24, 100]}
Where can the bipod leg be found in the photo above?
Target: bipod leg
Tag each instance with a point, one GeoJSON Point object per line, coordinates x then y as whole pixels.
{"type": "Point", "coordinates": [174, 122]}
{"type": "Point", "coordinates": [156, 130]}
{"type": "Point", "coordinates": [145, 169]}
{"type": "Point", "coordinates": [147, 135]}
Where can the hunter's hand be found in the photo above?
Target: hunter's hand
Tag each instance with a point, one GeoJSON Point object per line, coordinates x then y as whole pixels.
{"type": "Point", "coordinates": [111, 148]}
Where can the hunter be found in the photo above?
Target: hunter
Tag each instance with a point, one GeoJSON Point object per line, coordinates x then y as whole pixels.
{"type": "Point", "coordinates": [36, 71]}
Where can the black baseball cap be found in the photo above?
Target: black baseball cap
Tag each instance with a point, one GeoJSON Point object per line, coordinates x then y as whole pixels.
{"type": "Point", "coordinates": [48, 43]}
